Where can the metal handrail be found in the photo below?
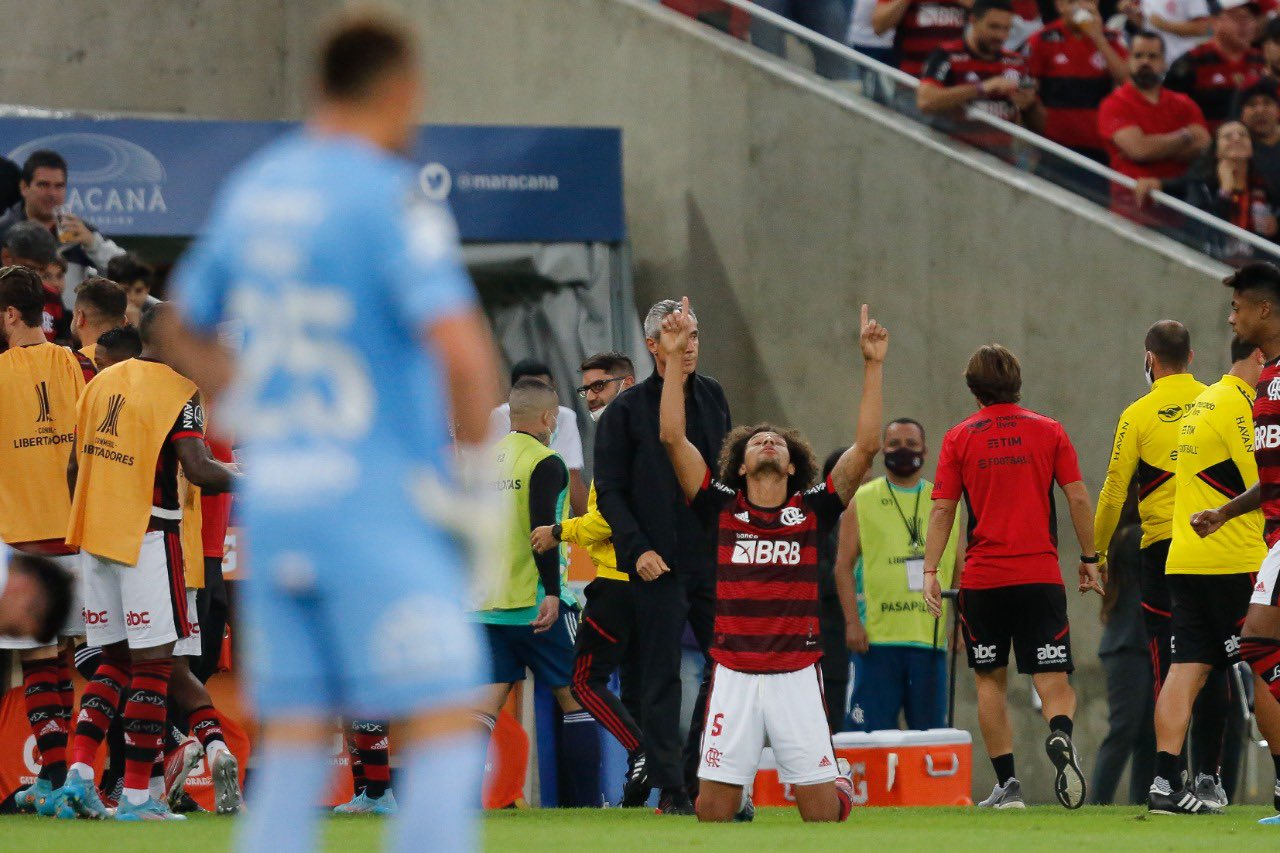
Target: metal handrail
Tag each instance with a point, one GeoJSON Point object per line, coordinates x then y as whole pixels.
{"type": "Point", "coordinates": [1014, 130]}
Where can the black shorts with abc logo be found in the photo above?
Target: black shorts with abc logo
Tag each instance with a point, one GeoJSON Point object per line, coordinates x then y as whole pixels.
{"type": "Point", "coordinates": [1208, 615]}
{"type": "Point", "coordinates": [1031, 617]}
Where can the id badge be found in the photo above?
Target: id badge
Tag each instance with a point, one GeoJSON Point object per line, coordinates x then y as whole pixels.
{"type": "Point", "coordinates": [915, 573]}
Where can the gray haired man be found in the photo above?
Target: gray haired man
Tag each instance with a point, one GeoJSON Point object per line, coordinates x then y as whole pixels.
{"type": "Point", "coordinates": [661, 544]}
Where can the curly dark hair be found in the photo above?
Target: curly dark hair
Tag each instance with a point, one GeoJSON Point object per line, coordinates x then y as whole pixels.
{"type": "Point", "coordinates": [734, 450]}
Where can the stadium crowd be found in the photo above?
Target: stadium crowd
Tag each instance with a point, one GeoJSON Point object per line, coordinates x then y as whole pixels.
{"type": "Point", "coordinates": [1181, 96]}
{"type": "Point", "coordinates": [778, 566]}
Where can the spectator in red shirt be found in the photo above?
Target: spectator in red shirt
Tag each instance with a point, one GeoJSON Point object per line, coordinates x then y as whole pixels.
{"type": "Point", "coordinates": [921, 25]}
{"type": "Point", "coordinates": [1005, 460]}
{"type": "Point", "coordinates": [1270, 45]}
{"type": "Point", "coordinates": [1149, 131]}
{"type": "Point", "coordinates": [1076, 62]}
{"type": "Point", "coordinates": [977, 71]}
{"type": "Point", "coordinates": [1215, 71]}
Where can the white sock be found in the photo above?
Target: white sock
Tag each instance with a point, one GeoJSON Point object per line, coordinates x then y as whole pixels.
{"type": "Point", "coordinates": [84, 771]}
{"type": "Point", "coordinates": [156, 787]}
{"type": "Point", "coordinates": [136, 796]}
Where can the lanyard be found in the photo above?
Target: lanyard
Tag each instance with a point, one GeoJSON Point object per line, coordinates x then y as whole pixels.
{"type": "Point", "coordinates": [913, 526]}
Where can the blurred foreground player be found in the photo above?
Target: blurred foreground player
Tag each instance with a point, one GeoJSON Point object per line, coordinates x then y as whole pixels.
{"type": "Point", "coordinates": [361, 335]}
{"type": "Point", "coordinates": [35, 596]}
{"type": "Point", "coordinates": [766, 685]}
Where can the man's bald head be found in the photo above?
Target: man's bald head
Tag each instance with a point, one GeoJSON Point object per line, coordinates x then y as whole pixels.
{"type": "Point", "coordinates": [1170, 343]}
{"type": "Point", "coordinates": [534, 407]}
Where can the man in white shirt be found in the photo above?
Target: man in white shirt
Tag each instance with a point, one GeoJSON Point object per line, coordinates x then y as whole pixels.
{"type": "Point", "coordinates": [566, 440]}
{"type": "Point", "coordinates": [1182, 23]}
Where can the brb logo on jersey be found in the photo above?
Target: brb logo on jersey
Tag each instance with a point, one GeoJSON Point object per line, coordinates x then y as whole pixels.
{"type": "Point", "coordinates": [766, 552]}
{"type": "Point", "coordinates": [791, 516]}
{"type": "Point", "coordinates": [1050, 653]}
{"type": "Point", "coordinates": [1266, 436]}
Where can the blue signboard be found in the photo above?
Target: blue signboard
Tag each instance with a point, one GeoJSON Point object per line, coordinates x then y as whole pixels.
{"type": "Point", "coordinates": [142, 177]}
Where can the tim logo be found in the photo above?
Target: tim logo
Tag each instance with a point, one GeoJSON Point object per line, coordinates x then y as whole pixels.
{"type": "Point", "coordinates": [43, 414]}
{"type": "Point", "coordinates": [1051, 653]}
{"type": "Point", "coordinates": [766, 552]}
{"type": "Point", "coordinates": [791, 516]}
{"type": "Point", "coordinates": [984, 654]}
{"type": "Point", "coordinates": [111, 420]}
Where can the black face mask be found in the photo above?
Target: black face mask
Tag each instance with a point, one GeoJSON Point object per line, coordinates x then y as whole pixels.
{"type": "Point", "coordinates": [903, 461]}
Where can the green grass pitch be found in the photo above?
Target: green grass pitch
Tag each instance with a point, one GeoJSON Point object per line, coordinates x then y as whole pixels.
{"type": "Point", "coordinates": [617, 831]}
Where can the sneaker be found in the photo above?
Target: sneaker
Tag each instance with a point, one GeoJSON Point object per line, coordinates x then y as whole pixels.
{"type": "Point", "coordinates": [1274, 820]}
{"type": "Point", "coordinates": [675, 801]}
{"type": "Point", "coordinates": [80, 798]}
{"type": "Point", "coordinates": [1068, 784]}
{"type": "Point", "coordinates": [112, 798]}
{"type": "Point", "coordinates": [152, 809]}
{"type": "Point", "coordinates": [1275, 796]}
{"type": "Point", "coordinates": [1006, 796]}
{"type": "Point", "coordinates": [183, 804]}
{"type": "Point", "coordinates": [27, 798]}
{"type": "Point", "coordinates": [635, 791]}
{"type": "Point", "coordinates": [1162, 799]}
{"type": "Point", "coordinates": [747, 813]}
{"type": "Point", "coordinates": [362, 803]}
{"type": "Point", "coordinates": [178, 766]}
{"type": "Point", "coordinates": [1210, 791]}
{"type": "Point", "coordinates": [226, 783]}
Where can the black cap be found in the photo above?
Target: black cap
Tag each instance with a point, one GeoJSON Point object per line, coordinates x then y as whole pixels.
{"type": "Point", "coordinates": [1266, 87]}
{"type": "Point", "coordinates": [1271, 32]}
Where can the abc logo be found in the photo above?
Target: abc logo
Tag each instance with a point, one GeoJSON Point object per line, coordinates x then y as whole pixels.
{"type": "Point", "coordinates": [1048, 653]}
{"type": "Point", "coordinates": [1232, 644]}
{"type": "Point", "coordinates": [137, 620]}
{"type": "Point", "coordinates": [984, 653]}
{"type": "Point", "coordinates": [92, 617]}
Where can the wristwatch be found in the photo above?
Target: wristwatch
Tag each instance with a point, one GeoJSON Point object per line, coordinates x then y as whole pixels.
{"type": "Point", "coordinates": [556, 530]}
{"type": "Point", "coordinates": [1090, 561]}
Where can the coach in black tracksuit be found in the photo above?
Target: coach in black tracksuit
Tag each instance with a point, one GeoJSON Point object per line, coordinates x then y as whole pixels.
{"type": "Point", "coordinates": [660, 542]}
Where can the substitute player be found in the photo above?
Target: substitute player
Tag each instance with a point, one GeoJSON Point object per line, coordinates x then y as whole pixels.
{"type": "Point", "coordinates": [137, 422]}
{"type": "Point", "coordinates": [1005, 460]}
{"type": "Point", "coordinates": [1210, 580]}
{"type": "Point", "coordinates": [1255, 318]}
{"type": "Point", "coordinates": [766, 685]}
{"type": "Point", "coordinates": [39, 385]}
{"type": "Point", "coordinates": [362, 337]}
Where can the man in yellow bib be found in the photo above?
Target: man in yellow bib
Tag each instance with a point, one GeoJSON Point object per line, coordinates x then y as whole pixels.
{"type": "Point", "coordinates": [137, 422]}
{"type": "Point", "coordinates": [100, 307]}
{"type": "Point", "coordinates": [39, 385]}
{"type": "Point", "coordinates": [530, 615]}
{"type": "Point", "coordinates": [902, 668]}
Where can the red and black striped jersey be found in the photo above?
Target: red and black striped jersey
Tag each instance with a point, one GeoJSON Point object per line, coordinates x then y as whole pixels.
{"type": "Point", "coordinates": [767, 576]}
{"type": "Point", "coordinates": [1266, 447]}
{"type": "Point", "coordinates": [1213, 80]}
{"type": "Point", "coordinates": [926, 24]}
{"type": "Point", "coordinates": [954, 64]}
{"type": "Point", "coordinates": [1073, 78]}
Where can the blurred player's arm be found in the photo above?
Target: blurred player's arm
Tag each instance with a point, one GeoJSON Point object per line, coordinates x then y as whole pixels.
{"type": "Point", "coordinates": [1115, 489]}
{"type": "Point", "coordinates": [200, 356]}
{"type": "Point", "coordinates": [691, 470]}
{"type": "Point", "coordinates": [846, 476]}
{"type": "Point", "coordinates": [466, 351]}
{"type": "Point", "coordinates": [1208, 521]}
{"type": "Point", "coordinates": [546, 484]}
{"type": "Point", "coordinates": [847, 549]}
{"type": "Point", "coordinates": [201, 469]}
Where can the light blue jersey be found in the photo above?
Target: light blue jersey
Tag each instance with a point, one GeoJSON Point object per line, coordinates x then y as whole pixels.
{"type": "Point", "coordinates": [325, 266]}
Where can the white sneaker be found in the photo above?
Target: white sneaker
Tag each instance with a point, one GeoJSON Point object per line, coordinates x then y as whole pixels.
{"type": "Point", "coordinates": [1007, 797]}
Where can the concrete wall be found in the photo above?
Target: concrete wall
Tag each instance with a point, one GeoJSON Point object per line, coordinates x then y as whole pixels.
{"type": "Point", "coordinates": [777, 206]}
